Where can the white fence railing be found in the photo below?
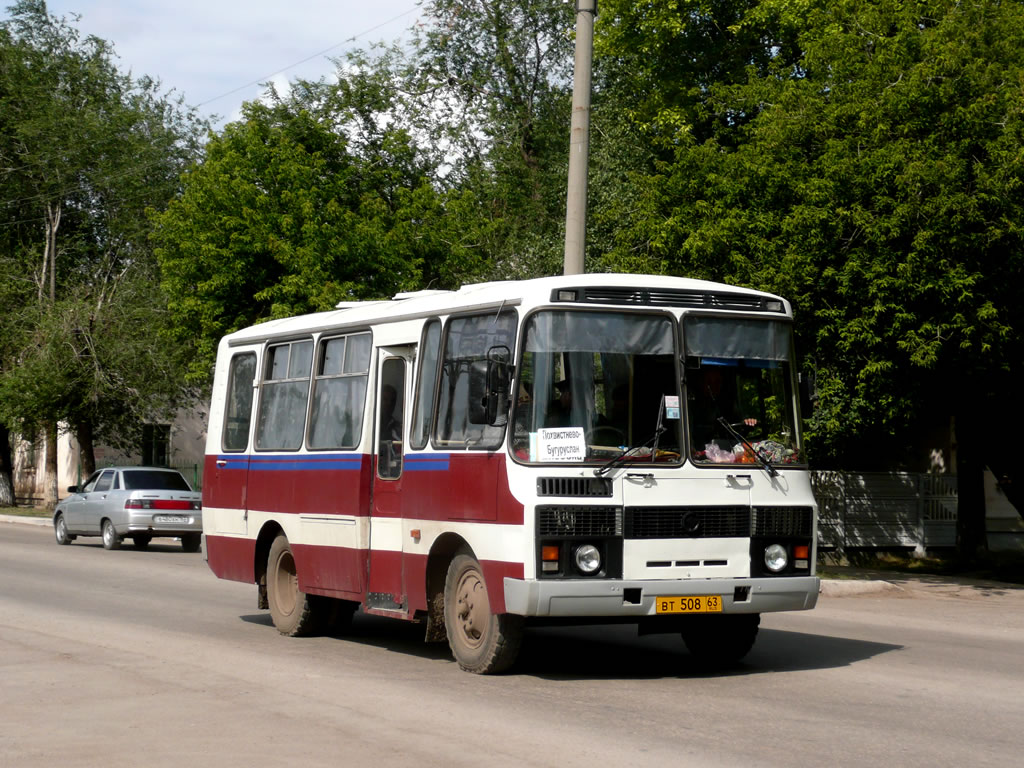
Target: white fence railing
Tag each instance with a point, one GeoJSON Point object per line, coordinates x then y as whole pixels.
{"type": "Point", "coordinates": [885, 509]}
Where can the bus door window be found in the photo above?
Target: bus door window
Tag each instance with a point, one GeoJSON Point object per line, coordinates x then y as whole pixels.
{"type": "Point", "coordinates": [391, 412]}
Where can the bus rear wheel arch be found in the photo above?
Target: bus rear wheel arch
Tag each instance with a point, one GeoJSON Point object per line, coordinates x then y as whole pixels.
{"type": "Point", "coordinates": [482, 642]}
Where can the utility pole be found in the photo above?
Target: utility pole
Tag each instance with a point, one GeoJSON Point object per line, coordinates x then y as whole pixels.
{"type": "Point", "coordinates": [579, 140]}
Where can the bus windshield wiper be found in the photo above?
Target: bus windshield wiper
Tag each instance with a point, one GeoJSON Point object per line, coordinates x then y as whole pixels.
{"type": "Point", "coordinates": [616, 461]}
{"type": "Point", "coordinates": [761, 458]}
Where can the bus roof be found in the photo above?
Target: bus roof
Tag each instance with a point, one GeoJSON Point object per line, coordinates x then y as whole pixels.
{"type": "Point", "coordinates": [604, 289]}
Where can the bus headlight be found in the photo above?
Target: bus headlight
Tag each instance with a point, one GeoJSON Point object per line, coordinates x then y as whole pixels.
{"type": "Point", "coordinates": [776, 558]}
{"type": "Point", "coordinates": [588, 559]}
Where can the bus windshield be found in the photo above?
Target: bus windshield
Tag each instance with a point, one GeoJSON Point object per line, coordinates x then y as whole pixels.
{"type": "Point", "coordinates": [593, 384]}
{"type": "Point", "coordinates": [740, 404]}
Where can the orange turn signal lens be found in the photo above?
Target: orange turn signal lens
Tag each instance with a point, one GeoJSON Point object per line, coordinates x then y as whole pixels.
{"type": "Point", "coordinates": [800, 552]}
{"type": "Point", "coordinates": [549, 552]}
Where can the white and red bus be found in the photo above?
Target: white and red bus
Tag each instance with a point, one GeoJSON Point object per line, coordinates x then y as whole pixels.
{"type": "Point", "coordinates": [583, 449]}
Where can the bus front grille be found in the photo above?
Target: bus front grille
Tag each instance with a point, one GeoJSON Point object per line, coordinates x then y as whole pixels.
{"type": "Point", "coordinates": [563, 520]}
{"type": "Point", "coordinates": [687, 522]}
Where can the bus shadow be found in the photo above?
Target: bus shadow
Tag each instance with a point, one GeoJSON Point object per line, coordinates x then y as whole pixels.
{"type": "Point", "coordinates": [608, 652]}
{"type": "Point", "coordinates": [376, 631]}
{"type": "Point", "coordinates": [613, 652]}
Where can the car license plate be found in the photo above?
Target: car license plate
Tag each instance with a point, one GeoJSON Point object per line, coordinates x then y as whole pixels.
{"type": "Point", "coordinates": [170, 519]}
{"type": "Point", "coordinates": [689, 604]}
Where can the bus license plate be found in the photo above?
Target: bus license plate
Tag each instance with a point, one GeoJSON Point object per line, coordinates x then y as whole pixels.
{"type": "Point", "coordinates": [689, 604]}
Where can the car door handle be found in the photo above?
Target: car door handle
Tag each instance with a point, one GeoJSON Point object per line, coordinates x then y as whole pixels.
{"type": "Point", "coordinates": [222, 462]}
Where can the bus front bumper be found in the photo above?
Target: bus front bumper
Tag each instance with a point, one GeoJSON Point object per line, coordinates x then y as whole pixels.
{"type": "Point", "coordinates": [616, 598]}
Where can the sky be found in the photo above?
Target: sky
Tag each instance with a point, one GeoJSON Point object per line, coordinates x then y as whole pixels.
{"type": "Point", "coordinates": [215, 52]}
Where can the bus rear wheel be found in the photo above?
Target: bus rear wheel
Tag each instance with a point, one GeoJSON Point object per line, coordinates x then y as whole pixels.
{"type": "Point", "coordinates": [293, 611]}
{"type": "Point", "coordinates": [718, 641]}
{"type": "Point", "coordinates": [482, 642]}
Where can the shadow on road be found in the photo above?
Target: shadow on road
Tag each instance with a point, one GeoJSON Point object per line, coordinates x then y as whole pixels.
{"type": "Point", "coordinates": [608, 652]}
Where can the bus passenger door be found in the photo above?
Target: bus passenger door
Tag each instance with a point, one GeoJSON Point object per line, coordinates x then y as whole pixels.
{"type": "Point", "coordinates": [386, 589]}
{"type": "Point", "coordinates": [226, 474]}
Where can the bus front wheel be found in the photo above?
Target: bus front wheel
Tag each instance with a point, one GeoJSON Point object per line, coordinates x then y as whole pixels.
{"type": "Point", "coordinates": [293, 611]}
{"type": "Point", "coordinates": [482, 642]}
{"type": "Point", "coordinates": [719, 641]}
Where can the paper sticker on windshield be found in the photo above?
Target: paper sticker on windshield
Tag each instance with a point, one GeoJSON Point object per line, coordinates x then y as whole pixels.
{"type": "Point", "coordinates": [671, 406]}
{"type": "Point", "coordinates": [561, 444]}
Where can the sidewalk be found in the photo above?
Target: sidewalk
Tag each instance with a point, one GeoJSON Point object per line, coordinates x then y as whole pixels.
{"type": "Point", "coordinates": [26, 520]}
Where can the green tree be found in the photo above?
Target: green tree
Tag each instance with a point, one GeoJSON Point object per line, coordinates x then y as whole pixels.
{"type": "Point", "coordinates": [875, 180]}
{"type": "Point", "coordinates": [493, 81]}
{"type": "Point", "coordinates": [84, 151]}
{"type": "Point", "coordinates": [308, 200]}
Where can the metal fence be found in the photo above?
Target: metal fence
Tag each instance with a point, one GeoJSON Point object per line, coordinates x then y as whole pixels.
{"type": "Point", "coordinates": [885, 509]}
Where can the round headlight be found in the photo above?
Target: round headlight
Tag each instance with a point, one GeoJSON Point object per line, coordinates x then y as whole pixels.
{"type": "Point", "coordinates": [588, 558]}
{"type": "Point", "coordinates": [775, 557]}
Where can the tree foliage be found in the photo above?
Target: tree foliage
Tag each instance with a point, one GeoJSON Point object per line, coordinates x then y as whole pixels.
{"type": "Point", "coordinates": [84, 151]}
{"type": "Point", "coordinates": [874, 178]}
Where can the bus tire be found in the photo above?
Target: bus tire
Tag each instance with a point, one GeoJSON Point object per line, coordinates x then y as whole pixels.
{"type": "Point", "coordinates": [294, 612]}
{"type": "Point", "coordinates": [719, 641]}
{"type": "Point", "coordinates": [482, 642]}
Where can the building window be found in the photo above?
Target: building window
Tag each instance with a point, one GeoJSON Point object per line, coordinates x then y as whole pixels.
{"type": "Point", "coordinates": [156, 444]}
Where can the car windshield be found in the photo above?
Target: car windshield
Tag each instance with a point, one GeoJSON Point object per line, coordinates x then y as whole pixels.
{"type": "Point", "coordinates": [739, 384]}
{"type": "Point", "coordinates": [154, 480]}
{"type": "Point", "coordinates": [594, 384]}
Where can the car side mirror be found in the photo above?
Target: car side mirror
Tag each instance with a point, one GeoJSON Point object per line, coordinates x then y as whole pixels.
{"type": "Point", "coordinates": [72, 489]}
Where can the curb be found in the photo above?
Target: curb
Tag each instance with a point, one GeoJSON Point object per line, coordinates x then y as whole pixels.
{"type": "Point", "coordinates": [847, 587]}
{"type": "Point", "coordinates": [26, 520]}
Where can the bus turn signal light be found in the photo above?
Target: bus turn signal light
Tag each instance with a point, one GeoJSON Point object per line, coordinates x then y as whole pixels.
{"type": "Point", "coordinates": [549, 552]}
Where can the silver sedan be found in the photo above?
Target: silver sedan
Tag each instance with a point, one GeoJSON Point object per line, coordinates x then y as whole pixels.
{"type": "Point", "coordinates": [131, 502]}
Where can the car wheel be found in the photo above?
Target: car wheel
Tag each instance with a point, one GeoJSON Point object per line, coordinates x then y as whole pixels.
{"type": "Point", "coordinates": [482, 642]}
{"type": "Point", "coordinates": [719, 641]}
{"type": "Point", "coordinates": [293, 611]}
{"type": "Point", "coordinates": [141, 542]}
{"type": "Point", "coordinates": [190, 542]}
{"type": "Point", "coordinates": [110, 538]}
{"type": "Point", "coordinates": [60, 530]}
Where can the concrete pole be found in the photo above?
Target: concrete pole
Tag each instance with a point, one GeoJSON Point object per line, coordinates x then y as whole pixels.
{"type": "Point", "coordinates": [579, 140]}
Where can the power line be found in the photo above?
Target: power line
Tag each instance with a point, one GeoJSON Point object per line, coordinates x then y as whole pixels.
{"type": "Point", "coordinates": [324, 52]}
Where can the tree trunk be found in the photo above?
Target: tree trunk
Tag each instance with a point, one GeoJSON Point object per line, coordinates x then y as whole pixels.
{"type": "Point", "coordinates": [6, 469]}
{"type": "Point", "coordinates": [50, 495]}
{"type": "Point", "coordinates": [86, 447]}
{"type": "Point", "coordinates": [971, 539]}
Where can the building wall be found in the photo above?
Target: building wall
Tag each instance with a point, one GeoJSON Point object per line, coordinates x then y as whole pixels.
{"type": "Point", "coordinates": [188, 442]}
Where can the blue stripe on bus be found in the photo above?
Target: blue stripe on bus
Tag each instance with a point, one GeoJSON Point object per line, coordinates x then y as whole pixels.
{"type": "Point", "coordinates": [293, 463]}
{"type": "Point", "coordinates": [426, 462]}
{"type": "Point", "coordinates": [415, 462]}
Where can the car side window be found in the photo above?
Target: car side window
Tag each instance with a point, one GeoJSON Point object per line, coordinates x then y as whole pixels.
{"type": "Point", "coordinates": [103, 484]}
{"type": "Point", "coordinates": [90, 484]}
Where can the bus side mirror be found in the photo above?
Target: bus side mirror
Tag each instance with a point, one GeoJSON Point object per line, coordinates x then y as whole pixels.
{"type": "Point", "coordinates": [489, 382]}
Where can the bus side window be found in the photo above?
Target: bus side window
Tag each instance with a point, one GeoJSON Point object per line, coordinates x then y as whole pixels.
{"type": "Point", "coordinates": [467, 340]}
{"type": "Point", "coordinates": [238, 410]}
{"type": "Point", "coordinates": [426, 378]}
{"type": "Point", "coordinates": [339, 392]}
{"type": "Point", "coordinates": [392, 410]}
{"type": "Point", "coordinates": [282, 411]}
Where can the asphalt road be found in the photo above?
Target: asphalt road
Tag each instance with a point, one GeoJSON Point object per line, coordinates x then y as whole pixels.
{"type": "Point", "coordinates": [133, 658]}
